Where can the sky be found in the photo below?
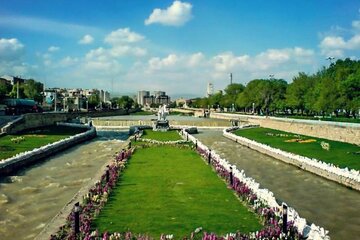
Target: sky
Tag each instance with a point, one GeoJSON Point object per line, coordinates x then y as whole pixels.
{"type": "Point", "coordinates": [124, 46]}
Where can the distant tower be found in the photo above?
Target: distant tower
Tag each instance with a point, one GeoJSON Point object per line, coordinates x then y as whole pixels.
{"type": "Point", "coordinates": [230, 78]}
{"type": "Point", "coordinates": [210, 90]}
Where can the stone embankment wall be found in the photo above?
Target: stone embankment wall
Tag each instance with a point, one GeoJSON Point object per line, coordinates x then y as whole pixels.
{"type": "Point", "coordinates": [113, 124]}
{"type": "Point", "coordinates": [349, 178]}
{"type": "Point", "coordinates": [34, 120]}
{"type": "Point", "coordinates": [15, 163]}
{"type": "Point", "coordinates": [337, 131]}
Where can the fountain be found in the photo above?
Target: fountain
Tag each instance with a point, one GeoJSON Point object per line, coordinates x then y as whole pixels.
{"type": "Point", "coordinates": [161, 123]}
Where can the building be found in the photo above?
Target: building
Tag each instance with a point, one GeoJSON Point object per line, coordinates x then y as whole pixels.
{"type": "Point", "coordinates": [159, 97]}
{"type": "Point", "coordinates": [141, 96]}
{"type": "Point", "coordinates": [106, 96]}
{"type": "Point", "coordinates": [209, 90]}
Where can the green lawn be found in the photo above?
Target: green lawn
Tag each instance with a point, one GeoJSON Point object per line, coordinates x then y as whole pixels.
{"type": "Point", "coordinates": [172, 191]}
{"type": "Point", "coordinates": [340, 154]}
{"type": "Point", "coordinates": [34, 139]}
{"type": "Point", "coordinates": [172, 135]}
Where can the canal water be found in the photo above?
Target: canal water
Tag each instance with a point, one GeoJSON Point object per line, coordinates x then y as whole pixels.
{"type": "Point", "coordinates": [32, 197]}
{"type": "Point", "coordinates": [323, 202]}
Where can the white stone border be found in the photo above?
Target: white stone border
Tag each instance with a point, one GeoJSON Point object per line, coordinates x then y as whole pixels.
{"type": "Point", "coordinates": [344, 176]}
{"type": "Point", "coordinates": [265, 196]}
{"type": "Point", "coordinates": [23, 156]}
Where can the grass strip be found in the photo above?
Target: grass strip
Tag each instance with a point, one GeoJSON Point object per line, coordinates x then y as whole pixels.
{"type": "Point", "coordinates": [35, 138]}
{"type": "Point", "coordinates": [170, 190]}
{"type": "Point", "coordinates": [171, 135]}
{"type": "Point", "coordinates": [339, 153]}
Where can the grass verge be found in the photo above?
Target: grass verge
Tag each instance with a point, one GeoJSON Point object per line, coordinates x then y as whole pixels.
{"type": "Point", "coordinates": [171, 135]}
{"type": "Point", "coordinates": [28, 140]}
{"type": "Point", "coordinates": [170, 190]}
{"type": "Point", "coordinates": [339, 153]}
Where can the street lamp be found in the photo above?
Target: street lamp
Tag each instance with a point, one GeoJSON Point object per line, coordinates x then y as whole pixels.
{"type": "Point", "coordinates": [76, 218]}
{"type": "Point", "coordinates": [284, 217]}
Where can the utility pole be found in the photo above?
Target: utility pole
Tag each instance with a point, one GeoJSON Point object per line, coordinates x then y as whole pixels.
{"type": "Point", "coordinates": [55, 101]}
{"type": "Point", "coordinates": [17, 89]}
{"type": "Point", "coordinates": [231, 80]}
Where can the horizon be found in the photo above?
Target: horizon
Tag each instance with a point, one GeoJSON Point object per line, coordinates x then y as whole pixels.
{"type": "Point", "coordinates": [176, 46]}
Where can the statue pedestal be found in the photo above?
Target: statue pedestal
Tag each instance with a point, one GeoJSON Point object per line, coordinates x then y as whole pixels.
{"type": "Point", "coordinates": [161, 125]}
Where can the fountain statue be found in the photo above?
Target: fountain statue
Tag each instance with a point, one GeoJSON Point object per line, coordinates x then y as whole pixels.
{"type": "Point", "coordinates": [162, 124]}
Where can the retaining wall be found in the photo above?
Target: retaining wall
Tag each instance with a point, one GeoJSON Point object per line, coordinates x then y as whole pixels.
{"type": "Point", "coordinates": [34, 120]}
{"type": "Point", "coordinates": [21, 160]}
{"type": "Point", "coordinates": [337, 131]}
{"type": "Point", "coordinates": [127, 123]}
{"type": "Point", "coordinates": [343, 176]}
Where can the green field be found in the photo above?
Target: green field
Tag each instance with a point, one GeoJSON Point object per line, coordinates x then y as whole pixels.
{"type": "Point", "coordinates": [171, 190]}
{"type": "Point", "coordinates": [34, 139]}
{"type": "Point", "coordinates": [339, 153]}
{"type": "Point", "coordinates": [172, 135]}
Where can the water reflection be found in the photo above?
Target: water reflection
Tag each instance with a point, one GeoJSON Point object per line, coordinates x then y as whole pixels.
{"type": "Point", "coordinates": [323, 202]}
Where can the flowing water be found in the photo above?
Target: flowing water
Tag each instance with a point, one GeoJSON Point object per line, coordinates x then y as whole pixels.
{"type": "Point", "coordinates": [325, 203]}
{"type": "Point", "coordinates": [32, 197]}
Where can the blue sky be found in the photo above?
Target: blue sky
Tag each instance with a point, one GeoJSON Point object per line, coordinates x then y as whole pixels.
{"type": "Point", "coordinates": [176, 46]}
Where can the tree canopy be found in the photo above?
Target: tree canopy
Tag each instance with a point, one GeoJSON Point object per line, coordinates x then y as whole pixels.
{"type": "Point", "coordinates": [331, 90]}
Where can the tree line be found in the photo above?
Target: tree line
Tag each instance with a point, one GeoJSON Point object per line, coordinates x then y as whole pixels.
{"type": "Point", "coordinates": [331, 90]}
{"type": "Point", "coordinates": [30, 89]}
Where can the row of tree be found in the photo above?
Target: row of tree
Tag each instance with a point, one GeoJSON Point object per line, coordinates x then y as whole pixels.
{"type": "Point", "coordinates": [30, 89]}
{"type": "Point", "coordinates": [335, 89]}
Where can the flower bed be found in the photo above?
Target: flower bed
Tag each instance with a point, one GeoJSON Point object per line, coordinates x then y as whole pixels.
{"type": "Point", "coordinates": [261, 201]}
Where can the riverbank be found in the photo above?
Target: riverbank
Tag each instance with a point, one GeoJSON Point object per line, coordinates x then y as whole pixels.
{"type": "Point", "coordinates": [344, 176]}
{"type": "Point", "coordinates": [58, 220]}
{"type": "Point", "coordinates": [27, 158]}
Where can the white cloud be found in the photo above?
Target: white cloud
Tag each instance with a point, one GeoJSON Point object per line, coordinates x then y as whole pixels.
{"type": "Point", "coordinates": [225, 62]}
{"type": "Point", "coordinates": [332, 42]}
{"type": "Point", "coordinates": [68, 61]}
{"type": "Point", "coordinates": [123, 35]}
{"type": "Point", "coordinates": [86, 39]}
{"type": "Point", "coordinates": [175, 15]}
{"type": "Point", "coordinates": [356, 25]}
{"type": "Point", "coordinates": [10, 49]}
{"type": "Point", "coordinates": [53, 49]}
{"type": "Point", "coordinates": [337, 45]}
{"type": "Point", "coordinates": [165, 63]}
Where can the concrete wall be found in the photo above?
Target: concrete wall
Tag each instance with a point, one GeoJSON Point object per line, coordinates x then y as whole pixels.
{"type": "Point", "coordinates": [126, 123]}
{"type": "Point", "coordinates": [34, 120]}
{"type": "Point", "coordinates": [337, 131]}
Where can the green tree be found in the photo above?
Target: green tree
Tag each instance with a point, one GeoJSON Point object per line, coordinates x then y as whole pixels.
{"type": "Point", "coordinates": [125, 102]}
{"type": "Point", "coordinates": [13, 92]}
{"type": "Point", "coordinates": [5, 89]}
{"type": "Point", "coordinates": [94, 100]}
{"type": "Point", "coordinates": [33, 90]}
{"type": "Point", "coordinates": [297, 90]}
